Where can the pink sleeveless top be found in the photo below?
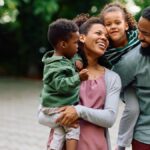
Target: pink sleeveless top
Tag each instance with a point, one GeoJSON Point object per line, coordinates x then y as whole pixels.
{"type": "Point", "coordinates": [92, 94]}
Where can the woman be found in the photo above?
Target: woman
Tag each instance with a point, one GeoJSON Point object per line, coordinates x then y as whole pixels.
{"type": "Point", "coordinates": [99, 95]}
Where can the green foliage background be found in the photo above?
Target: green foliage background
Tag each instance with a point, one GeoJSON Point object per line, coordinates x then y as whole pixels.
{"type": "Point", "coordinates": [23, 30]}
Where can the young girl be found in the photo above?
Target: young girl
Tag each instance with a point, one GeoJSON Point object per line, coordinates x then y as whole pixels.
{"type": "Point", "coordinates": [121, 28]}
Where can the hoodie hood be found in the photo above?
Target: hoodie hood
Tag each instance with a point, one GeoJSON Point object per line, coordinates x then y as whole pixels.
{"type": "Point", "coordinates": [49, 57]}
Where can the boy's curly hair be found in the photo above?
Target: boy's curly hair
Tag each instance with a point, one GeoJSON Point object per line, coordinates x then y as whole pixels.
{"type": "Point", "coordinates": [116, 6]}
{"type": "Point", "coordinates": [61, 29]}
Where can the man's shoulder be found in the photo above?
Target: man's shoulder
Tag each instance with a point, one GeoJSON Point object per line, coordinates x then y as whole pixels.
{"type": "Point", "coordinates": [135, 52]}
{"type": "Point", "coordinates": [131, 58]}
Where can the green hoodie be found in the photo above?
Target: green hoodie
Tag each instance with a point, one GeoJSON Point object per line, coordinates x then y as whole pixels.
{"type": "Point", "coordinates": [60, 81]}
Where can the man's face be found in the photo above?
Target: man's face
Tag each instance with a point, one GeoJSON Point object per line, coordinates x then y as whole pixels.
{"type": "Point", "coordinates": [144, 32]}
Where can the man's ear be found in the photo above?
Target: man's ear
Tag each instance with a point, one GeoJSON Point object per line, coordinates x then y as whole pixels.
{"type": "Point", "coordinates": [82, 38]}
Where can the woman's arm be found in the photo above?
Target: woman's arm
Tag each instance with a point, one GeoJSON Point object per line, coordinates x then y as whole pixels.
{"type": "Point", "coordinates": [101, 117]}
{"type": "Point", "coordinates": [107, 116]}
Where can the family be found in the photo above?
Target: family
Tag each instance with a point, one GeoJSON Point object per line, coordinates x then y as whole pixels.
{"type": "Point", "coordinates": [95, 63]}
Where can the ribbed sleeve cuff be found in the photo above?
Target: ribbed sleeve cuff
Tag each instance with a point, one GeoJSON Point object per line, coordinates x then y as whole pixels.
{"type": "Point", "coordinates": [79, 109]}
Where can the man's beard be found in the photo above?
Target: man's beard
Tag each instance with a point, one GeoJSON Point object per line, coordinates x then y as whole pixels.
{"type": "Point", "coordinates": [145, 51]}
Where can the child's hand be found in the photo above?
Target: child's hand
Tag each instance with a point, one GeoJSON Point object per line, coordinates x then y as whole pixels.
{"type": "Point", "coordinates": [79, 65]}
{"type": "Point", "coordinates": [83, 74]}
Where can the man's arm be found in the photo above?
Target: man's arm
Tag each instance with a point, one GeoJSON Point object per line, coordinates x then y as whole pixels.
{"type": "Point", "coordinates": [126, 68]}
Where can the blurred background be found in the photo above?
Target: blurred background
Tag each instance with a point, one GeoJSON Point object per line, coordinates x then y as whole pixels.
{"type": "Point", "coordinates": [23, 29]}
{"type": "Point", "coordinates": [23, 41]}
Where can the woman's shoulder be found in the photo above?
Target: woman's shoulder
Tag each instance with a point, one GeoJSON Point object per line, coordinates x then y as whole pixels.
{"type": "Point", "coordinates": [112, 78]}
{"type": "Point", "coordinates": [111, 74]}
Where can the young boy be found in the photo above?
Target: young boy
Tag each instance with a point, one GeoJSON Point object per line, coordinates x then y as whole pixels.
{"type": "Point", "coordinates": [61, 81]}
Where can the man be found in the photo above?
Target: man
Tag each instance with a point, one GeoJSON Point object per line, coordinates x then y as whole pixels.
{"type": "Point", "coordinates": [134, 68]}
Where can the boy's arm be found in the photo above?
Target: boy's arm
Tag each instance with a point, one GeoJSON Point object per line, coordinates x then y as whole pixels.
{"type": "Point", "coordinates": [77, 61]}
{"type": "Point", "coordinates": [58, 79]}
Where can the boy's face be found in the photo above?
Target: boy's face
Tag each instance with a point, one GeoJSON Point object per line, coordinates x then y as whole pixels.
{"type": "Point", "coordinates": [71, 46]}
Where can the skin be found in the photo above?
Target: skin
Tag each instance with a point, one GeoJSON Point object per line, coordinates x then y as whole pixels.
{"type": "Point", "coordinates": [95, 44]}
{"type": "Point", "coordinates": [95, 41]}
{"type": "Point", "coordinates": [144, 32]}
{"type": "Point", "coordinates": [116, 27]}
{"type": "Point", "coordinates": [68, 48]}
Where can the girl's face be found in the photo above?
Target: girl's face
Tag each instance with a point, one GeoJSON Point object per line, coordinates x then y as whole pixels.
{"type": "Point", "coordinates": [116, 26]}
{"type": "Point", "coordinates": [96, 41]}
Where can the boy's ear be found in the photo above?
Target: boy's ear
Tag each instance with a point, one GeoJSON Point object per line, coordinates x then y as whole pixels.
{"type": "Point", "coordinates": [63, 44]}
{"type": "Point", "coordinates": [82, 38]}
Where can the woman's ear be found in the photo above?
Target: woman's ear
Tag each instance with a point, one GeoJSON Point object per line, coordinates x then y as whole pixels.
{"type": "Point", "coordinates": [82, 38]}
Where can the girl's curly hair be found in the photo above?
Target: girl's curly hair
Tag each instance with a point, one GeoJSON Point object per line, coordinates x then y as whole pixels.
{"type": "Point", "coordinates": [117, 6]}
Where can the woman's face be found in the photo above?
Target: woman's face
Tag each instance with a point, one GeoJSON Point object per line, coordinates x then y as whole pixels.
{"type": "Point", "coordinates": [116, 25]}
{"type": "Point", "coordinates": [96, 41]}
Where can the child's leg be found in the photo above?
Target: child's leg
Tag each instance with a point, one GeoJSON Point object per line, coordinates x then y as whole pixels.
{"type": "Point", "coordinates": [71, 144]}
{"type": "Point", "coordinates": [47, 120]}
{"type": "Point", "coordinates": [129, 118]}
{"type": "Point", "coordinates": [72, 137]}
{"type": "Point", "coordinates": [58, 139]}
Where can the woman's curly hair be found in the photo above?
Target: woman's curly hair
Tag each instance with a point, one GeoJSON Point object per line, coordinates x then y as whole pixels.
{"type": "Point", "coordinates": [81, 18]}
{"type": "Point", "coordinates": [117, 6]}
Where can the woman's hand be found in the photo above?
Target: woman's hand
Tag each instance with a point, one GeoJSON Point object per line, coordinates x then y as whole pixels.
{"type": "Point", "coordinates": [68, 116]}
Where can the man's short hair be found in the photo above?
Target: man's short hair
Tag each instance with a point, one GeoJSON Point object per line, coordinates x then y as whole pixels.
{"type": "Point", "coordinates": [60, 30]}
{"type": "Point", "coordinates": [146, 13]}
